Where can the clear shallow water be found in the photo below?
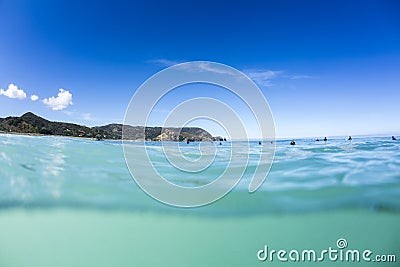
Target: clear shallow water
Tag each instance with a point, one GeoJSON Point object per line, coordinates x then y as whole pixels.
{"type": "Point", "coordinates": [72, 202]}
{"type": "Point", "coordinates": [311, 176]}
{"type": "Point", "coordinates": [84, 238]}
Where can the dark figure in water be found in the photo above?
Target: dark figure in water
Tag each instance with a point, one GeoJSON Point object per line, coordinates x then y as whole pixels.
{"type": "Point", "coordinates": [187, 141]}
{"type": "Point", "coordinates": [292, 143]}
{"type": "Point", "coordinates": [393, 138]}
{"type": "Point", "coordinates": [259, 142]}
{"type": "Point", "coordinates": [325, 139]}
{"type": "Point", "coordinates": [220, 143]}
{"type": "Point", "coordinates": [349, 138]}
{"type": "Point", "coordinates": [317, 140]}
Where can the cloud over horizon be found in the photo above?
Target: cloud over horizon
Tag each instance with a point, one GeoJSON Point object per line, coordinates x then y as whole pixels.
{"type": "Point", "coordinates": [13, 92]}
{"type": "Point", "coordinates": [62, 101]}
{"type": "Point", "coordinates": [263, 77]}
{"type": "Point", "coordinates": [302, 76]}
{"type": "Point", "coordinates": [34, 97]}
{"type": "Point", "coordinates": [164, 62]}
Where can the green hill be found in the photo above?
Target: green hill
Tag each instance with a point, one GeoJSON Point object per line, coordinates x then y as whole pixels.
{"type": "Point", "coordinates": [30, 123]}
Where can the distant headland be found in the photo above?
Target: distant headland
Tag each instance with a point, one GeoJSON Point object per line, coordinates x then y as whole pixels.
{"type": "Point", "coordinates": [30, 123]}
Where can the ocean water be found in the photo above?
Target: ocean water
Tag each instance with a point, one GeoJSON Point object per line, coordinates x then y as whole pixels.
{"type": "Point", "coordinates": [73, 202]}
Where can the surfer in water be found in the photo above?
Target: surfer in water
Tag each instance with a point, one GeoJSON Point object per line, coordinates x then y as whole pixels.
{"type": "Point", "coordinates": [325, 139]}
{"type": "Point", "coordinates": [292, 143]}
{"type": "Point", "coordinates": [349, 139]}
{"type": "Point", "coordinates": [393, 138]}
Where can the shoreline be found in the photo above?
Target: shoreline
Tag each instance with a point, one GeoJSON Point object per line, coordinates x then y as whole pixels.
{"type": "Point", "coordinates": [89, 138]}
{"type": "Point", "coordinates": [43, 135]}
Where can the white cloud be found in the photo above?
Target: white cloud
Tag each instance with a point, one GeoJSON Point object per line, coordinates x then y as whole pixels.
{"type": "Point", "coordinates": [203, 66]}
{"type": "Point", "coordinates": [263, 77]}
{"type": "Point", "coordinates": [301, 76]}
{"type": "Point", "coordinates": [34, 97]}
{"type": "Point", "coordinates": [216, 68]}
{"type": "Point", "coordinates": [13, 92]}
{"type": "Point", "coordinates": [63, 100]}
{"type": "Point", "coordinates": [164, 62]}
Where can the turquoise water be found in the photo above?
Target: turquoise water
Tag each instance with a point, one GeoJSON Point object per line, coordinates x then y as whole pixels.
{"type": "Point", "coordinates": [72, 202]}
{"type": "Point", "coordinates": [311, 176]}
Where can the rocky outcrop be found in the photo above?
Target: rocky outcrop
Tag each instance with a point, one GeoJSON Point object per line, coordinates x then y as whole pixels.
{"type": "Point", "coordinates": [184, 134]}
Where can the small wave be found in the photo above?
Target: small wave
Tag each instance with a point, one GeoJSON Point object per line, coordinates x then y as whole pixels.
{"type": "Point", "coordinates": [58, 171]}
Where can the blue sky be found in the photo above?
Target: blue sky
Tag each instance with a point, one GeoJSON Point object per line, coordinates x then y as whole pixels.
{"type": "Point", "coordinates": [326, 68]}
